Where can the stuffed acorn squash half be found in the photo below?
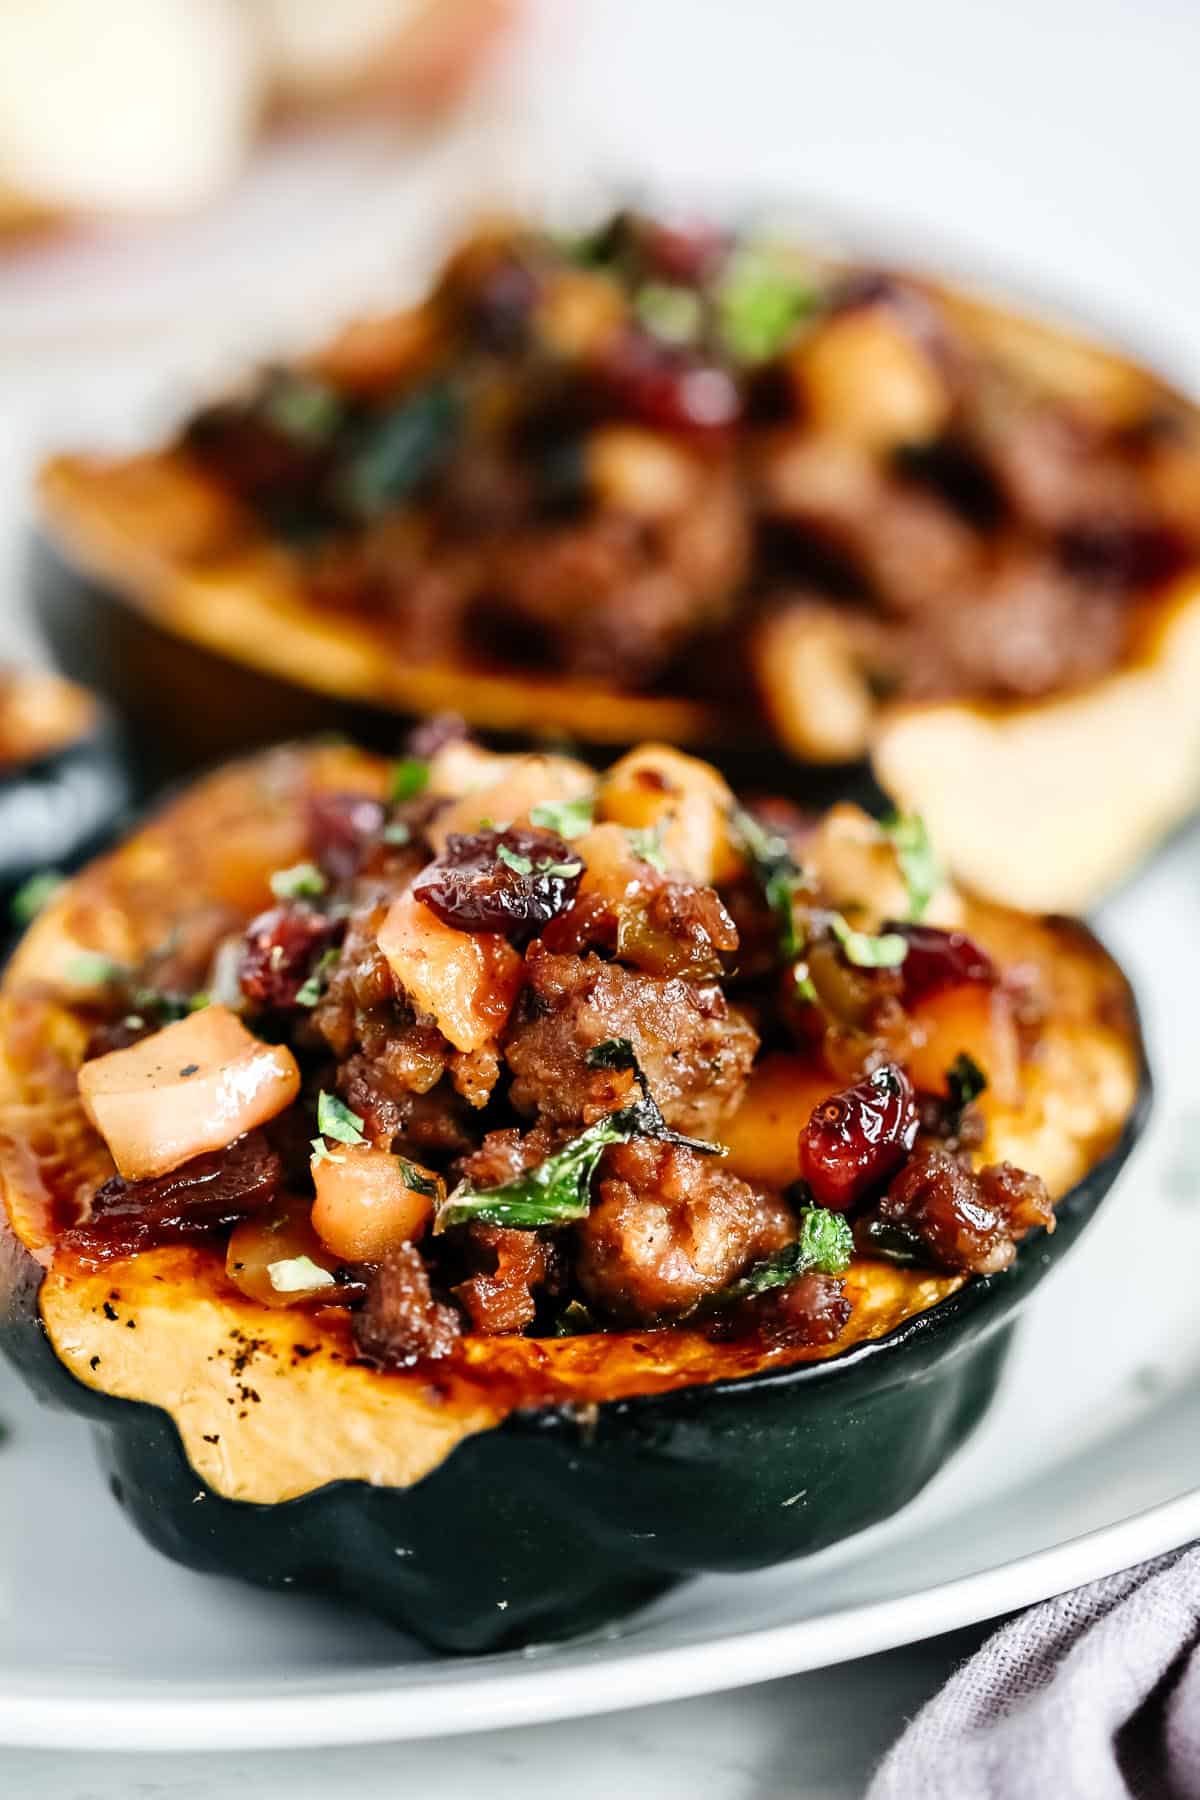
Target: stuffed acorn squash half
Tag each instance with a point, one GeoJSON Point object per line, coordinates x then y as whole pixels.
{"type": "Point", "coordinates": [692, 484]}
{"type": "Point", "coordinates": [496, 1190]}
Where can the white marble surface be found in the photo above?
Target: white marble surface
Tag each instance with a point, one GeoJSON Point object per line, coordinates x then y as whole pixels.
{"type": "Point", "coordinates": [1051, 138]}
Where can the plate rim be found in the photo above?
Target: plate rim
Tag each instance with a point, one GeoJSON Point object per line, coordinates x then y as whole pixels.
{"type": "Point", "coordinates": [39, 1715]}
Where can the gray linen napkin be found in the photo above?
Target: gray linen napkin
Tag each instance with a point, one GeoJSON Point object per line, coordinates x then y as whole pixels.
{"type": "Point", "coordinates": [1092, 1696]}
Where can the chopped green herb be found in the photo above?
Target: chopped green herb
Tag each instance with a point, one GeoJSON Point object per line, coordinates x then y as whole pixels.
{"type": "Point", "coordinates": [90, 969]}
{"type": "Point", "coordinates": [322, 1153]}
{"type": "Point", "coordinates": [199, 1000]}
{"type": "Point", "coordinates": [804, 984]}
{"type": "Point", "coordinates": [410, 777]}
{"type": "Point", "coordinates": [301, 882]}
{"type": "Point", "coordinates": [397, 833]}
{"type": "Point", "coordinates": [312, 989]}
{"type": "Point", "coordinates": [965, 1081]}
{"type": "Point", "coordinates": [298, 1275]}
{"type": "Point", "coordinates": [569, 818]}
{"type": "Point", "coordinates": [574, 1320]}
{"type": "Point", "coordinates": [33, 895]}
{"type": "Point", "coordinates": [777, 872]}
{"type": "Point", "coordinates": [760, 301]}
{"type": "Point", "coordinates": [418, 1181]}
{"type": "Point", "coordinates": [335, 1120]}
{"type": "Point", "coordinates": [824, 1246]}
{"type": "Point", "coordinates": [301, 406]}
{"type": "Point", "coordinates": [918, 864]}
{"type": "Point", "coordinates": [558, 1190]}
{"type": "Point", "coordinates": [647, 844]}
{"type": "Point", "coordinates": [400, 448]}
{"type": "Point", "coordinates": [674, 314]}
{"type": "Point", "coordinates": [866, 952]}
{"type": "Point", "coordinates": [563, 869]}
{"type": "Point", "coordinates": [523, 865]}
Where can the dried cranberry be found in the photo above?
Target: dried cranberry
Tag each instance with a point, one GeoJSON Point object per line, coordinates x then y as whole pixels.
{"type": "Point", "coordinates": [1121, 553]}
{"type": "Point", "coordinates": [501, 307]}
{"type": "Point", "coordinates": [341, 827]}
{"type": "Point", "coordinates": [855, 1139]}
{"type": "Point", "coordinates": [687, 251]}
{"type": "Point", "coordinates": [668, 387]}
{"type": "Point", "coordinates": [938, 1210]}
{"type": "Point", "coordinates": [939, 959]}
{"type": "Point", "coordinates": [431, 735]}
{"type": "Point", "coordinates": [201, 1196]}
{"type": "Point", "coordinates": [250, 456]}
{"type": "Point", "coordinates": [512, 881]}
{"type": "Point", "coordinates": [280, 949]}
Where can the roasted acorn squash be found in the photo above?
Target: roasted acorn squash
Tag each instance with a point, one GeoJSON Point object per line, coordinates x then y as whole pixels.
{"type": "Point", "coordinates": [722, 492]}
{"type": "Point", "coordinates": [65, 780]}
{"type": "Point", "coordinates": [523, 1487]}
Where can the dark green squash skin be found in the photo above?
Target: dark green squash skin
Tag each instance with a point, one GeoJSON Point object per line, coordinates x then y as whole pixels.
{"type": "Point", "coordinates": [555, 1522]}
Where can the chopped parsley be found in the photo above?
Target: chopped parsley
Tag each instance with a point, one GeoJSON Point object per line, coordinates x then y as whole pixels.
{"type": "Point", "coordinates": [397, 833]}
{"type": "Point", "coordinates": [824, 1246]}
{"type": "Point", "coordinates": [777, 872]}
{"type": "Point", "coordinates": [303, 881]}
{"type": "Point", "coordinates": [301, 406]}
{"type": "Point", "coordinates": [312, 989]}
{"type": "Point", "coordinates": [336, 1121]}
{"type": "Point", "coordinates": [918, 864]}
{"type": "Point", "coordinates": [418, 1180]}
{"type": "Point", "coordinates": [865, 951]}
{"type": "Point", "coordinates": [965, 1081]}
{"type": "Point", "coordinates": [399, 449]}
{"type": "Point", "coordinates": [760, 301]}
{"type": "Point", "coordinates": [568, 818]}
{"type": "Point", "coordinates": [557, 1191]}
{"type": "Point", "coordinates": [409, 778]}
{"type": "Point", "coordinates": [521, 865]}
{"type": "Point", "coordinates": [671, 313]}
{"type": "Point", "coordinates": [91, 969]}
{"type": "Point", "coordinates": [34, 894]}
{"type": "Point", "coordinates": [647, 844]}
{"type": "Point", "coordinates": [298, 1275]}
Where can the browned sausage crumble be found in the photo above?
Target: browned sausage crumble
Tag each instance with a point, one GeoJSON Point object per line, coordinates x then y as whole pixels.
{"type": "Point", "coordinates": [517, 1032]}
{"type": "Point", "coordinates": [681, 458]}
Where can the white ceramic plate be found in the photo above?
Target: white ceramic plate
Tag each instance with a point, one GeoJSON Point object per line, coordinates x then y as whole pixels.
{"type": "Point", "coordinates": [1089, 1461]}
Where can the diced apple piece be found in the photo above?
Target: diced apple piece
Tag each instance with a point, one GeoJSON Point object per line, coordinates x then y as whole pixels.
{"type": "Point", "coordinates": [813, 686]}
{"type": "Point", "coordinates": [865, 377]}
{"type": "Point", "coordinates": [191, 1087]}
{"type": "Point", "coordinates": [684, 800]}
{"type": "Point", "coordinates": [466, 980]}
{"type": "Point", "coordinates": [528, 781]}
{"type": "Point", "coordinates": [369, 1202]}
{"type": "Point", "coordinates": [277, 1258]}
{"type": "Point", "coordinates": [858, 869]}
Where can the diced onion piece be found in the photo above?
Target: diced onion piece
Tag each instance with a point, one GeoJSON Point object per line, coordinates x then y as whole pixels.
{"type": "Point", "coordinates": [284, 1236]}
{"type": "Point", "coordinates": [612, 871]}
{"type": "Point", "coordinates": [467, 980]}
{"type": "Point", "coordinates": [194, 1086]}
{"type": "Point", "coordinates": [763, 1135]}
{"type": "Point", "coordinates": [528, 781]}
{"type": "Point", "coordinates": [645, 473]}
{"type": "Point", "coordinates": [683, 800]}
{"type": "Point", "coordinates": [865, 377]}
{"type": "Point", "coordinates": [856, 865]}
{"type": "Point", "coordinates": [369, 1202]}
